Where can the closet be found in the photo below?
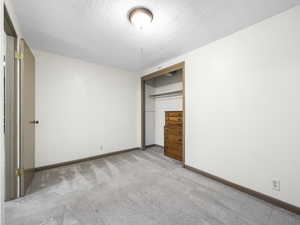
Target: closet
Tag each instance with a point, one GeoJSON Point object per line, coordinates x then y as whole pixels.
{"type": "Point", "coordinates": [163, 112]}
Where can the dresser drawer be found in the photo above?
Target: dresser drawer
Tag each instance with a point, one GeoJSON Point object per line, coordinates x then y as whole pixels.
{"type": "Point", "coordinates": [173, 145]}
{"type": "Point", "coordinates": [174, 119]}
{"type": "Point", "coordinates": [170, 139]}
{"type": "Point", "coordinates": [173, 130]}
{"type": "Point", "coordinates": [173, 153]}
{"type": "Point", "coordinates": [174, 122]}
{"type": "Point", "coordinates": [174, 114]}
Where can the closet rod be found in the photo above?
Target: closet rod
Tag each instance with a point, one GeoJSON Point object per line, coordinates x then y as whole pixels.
{"type": "Point", "coordinates": [167, 93]}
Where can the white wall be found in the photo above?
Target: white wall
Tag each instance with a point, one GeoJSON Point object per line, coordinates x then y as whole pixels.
{"type": "Point", "coordinates": [82, 106]}
{"type": "Point", "coordinates": [242, 106]}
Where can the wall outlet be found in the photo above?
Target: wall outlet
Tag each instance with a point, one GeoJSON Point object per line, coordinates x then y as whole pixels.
{"type": "Point", "coordinates": [101, 147]}
{"type": "Point", "coordinates": [276, 185]}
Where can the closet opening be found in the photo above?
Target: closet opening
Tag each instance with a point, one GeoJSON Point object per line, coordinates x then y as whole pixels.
{"type": "Point", "coordinates": [163, 111]}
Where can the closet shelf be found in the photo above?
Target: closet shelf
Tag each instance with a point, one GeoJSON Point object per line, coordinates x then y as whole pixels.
{"type": "Point", "coordinates": [178, 92]}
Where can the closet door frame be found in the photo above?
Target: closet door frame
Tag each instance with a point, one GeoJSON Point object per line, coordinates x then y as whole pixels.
{"type": "Point", "coordinates": [159, 73]}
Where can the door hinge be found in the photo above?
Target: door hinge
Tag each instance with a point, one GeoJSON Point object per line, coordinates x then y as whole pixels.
{"type": "Point", "coordinates": [19, 172]}
{"type": "Point", "coordinates": [19, 55]}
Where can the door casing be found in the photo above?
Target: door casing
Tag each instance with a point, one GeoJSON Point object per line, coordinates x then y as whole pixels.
{"type": "Point", "coordinates": [162, 72]}
{"type": "Point", "coordinates": [11, 111]}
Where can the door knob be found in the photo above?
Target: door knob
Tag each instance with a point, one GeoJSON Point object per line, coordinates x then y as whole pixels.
{"type": "Point", "coordinates": [34, 121]}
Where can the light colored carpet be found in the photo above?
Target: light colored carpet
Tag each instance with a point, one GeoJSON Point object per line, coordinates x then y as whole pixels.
{"type": "Point", "coordinates": [137, 188]}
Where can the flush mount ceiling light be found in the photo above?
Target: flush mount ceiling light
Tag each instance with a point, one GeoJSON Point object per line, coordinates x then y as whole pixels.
{"type": "Point", "coordinates": [140, 17]}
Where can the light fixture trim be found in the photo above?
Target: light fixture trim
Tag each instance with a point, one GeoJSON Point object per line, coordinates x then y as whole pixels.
{"type": "Point", "coordinates": [142, 11]}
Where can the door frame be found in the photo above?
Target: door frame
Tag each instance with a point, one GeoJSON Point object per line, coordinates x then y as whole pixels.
{"type": "Point", "coordinates": [14, 141]}
{"type": "Point", "coordinates": [160, 73]}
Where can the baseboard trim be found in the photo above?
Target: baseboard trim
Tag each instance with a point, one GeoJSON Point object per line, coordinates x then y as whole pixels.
{"type": "Point", "coordinates": [251, 192]}
{"type": "Point", "coordinates": [83, 160]}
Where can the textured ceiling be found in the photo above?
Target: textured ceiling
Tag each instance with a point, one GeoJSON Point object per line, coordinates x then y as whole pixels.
{"type": "Point", "coordinates": [98, 30]}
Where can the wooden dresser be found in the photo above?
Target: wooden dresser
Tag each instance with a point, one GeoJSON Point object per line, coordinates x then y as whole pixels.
{"type": "Point", "coordinates": [173, 134]}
